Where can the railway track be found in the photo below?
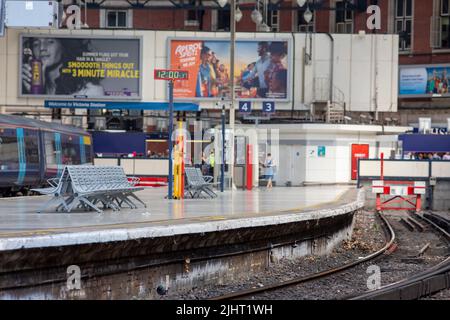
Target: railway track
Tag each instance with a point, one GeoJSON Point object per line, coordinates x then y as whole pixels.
{"type": "Point", "coordinates": [421, 284]}
{"type": "Point", "coordinates": [390, 243]}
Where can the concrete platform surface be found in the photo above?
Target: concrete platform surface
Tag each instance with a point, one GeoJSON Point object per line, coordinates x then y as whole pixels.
{"type": "Point", "coordinates": [22, 227]}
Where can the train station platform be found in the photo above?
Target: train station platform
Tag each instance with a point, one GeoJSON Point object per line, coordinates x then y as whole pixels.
{"type": "Point", "coordinates": [178, 242]}
{"type": "Point", "coordinates": [22, 227]}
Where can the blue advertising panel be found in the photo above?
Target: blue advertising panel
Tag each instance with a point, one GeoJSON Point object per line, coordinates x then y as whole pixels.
{"type": "Point", "coordinates": [424, 81]}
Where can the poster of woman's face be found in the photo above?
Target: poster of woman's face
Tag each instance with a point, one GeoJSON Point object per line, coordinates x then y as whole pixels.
{"type": "Point", "coordinates": [80, 67]}
{"type": "Point", "coordinates": [261, 68]}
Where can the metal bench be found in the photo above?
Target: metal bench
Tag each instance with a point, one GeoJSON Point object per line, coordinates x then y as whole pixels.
{"type": "Point", "coordinates": [196, 183]}
{"type": "Point", "coordinates": [86, 186]}
{"type": "Point", "coordinates": [60, 190]}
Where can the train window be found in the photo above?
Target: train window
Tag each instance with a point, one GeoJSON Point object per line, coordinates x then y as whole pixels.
{"type": "Point", "coordinates": [50, 148]}
{"type": "Point", "coordinates": [70, 150]}
{"type": "Point", "coordinates": [31, 147]}
{"type": "Point", "coordinates": [9, 153]}
{"type": "Point", "coordinates": [88, 153]}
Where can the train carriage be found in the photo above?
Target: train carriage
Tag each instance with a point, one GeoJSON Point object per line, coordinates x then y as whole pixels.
{"type": "Point", "coordinates": [32, 151]}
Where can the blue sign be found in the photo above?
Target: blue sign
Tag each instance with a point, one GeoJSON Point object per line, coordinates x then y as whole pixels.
{"type": "Point", "coordinates": [268, 106]}
{"type": "Point", "coordinates": [245, 106]}
{"type": "Point", "coordinates": [321, 150]}
{"type": "Point", "coordinates": [178, 106]}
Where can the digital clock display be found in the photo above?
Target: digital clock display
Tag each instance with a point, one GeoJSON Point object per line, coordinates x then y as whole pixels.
{"type": "Point", "coordinates": [163, 74]}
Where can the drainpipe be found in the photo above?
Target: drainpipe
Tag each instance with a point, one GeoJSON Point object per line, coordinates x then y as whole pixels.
{"type": "Point", "coordinates": [293, 78]}
{"type": "Point", "coordinates": [331, 65]}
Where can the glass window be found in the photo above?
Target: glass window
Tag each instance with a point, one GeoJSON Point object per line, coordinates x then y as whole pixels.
{"type": "Point", "coordinates": [70, 149]}
{"type": "Point", "coordinates": [445, 34]}
{"type": "Point", "coordinates": [50, 148]}
{"type": "Point", "coordinates": [192, 15]}
{"type": "Point", "coordinates": [112, 19]}
{"type": "Point", "coordinates": [121, 19]}
{"type": "Point", "coordinates": [88, 153]}
{"type": "Point", "coordinates": [9, 153]}
{"type": "Point", "coordinates": [223, 20]}
{"type": "Point", "coordinates": [408, 12]}
{"type": "Point", "coordinates": [400, 8]}
{"type": "Point", "coordinates": [444, 7]}
{"type": "Point", "coordinates": [403, 23]}
{"type": "Point", "coordinates": [31, 147]}
{"type": "Point", "coordinates": [116, 19]}
{"type": "Point", "coordinates": [340, 12]}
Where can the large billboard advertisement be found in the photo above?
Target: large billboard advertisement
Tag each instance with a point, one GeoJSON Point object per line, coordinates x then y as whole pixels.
{"type": "Point", "coordinates": [80, 67]}
{"type": "Point", "coordinates": [261, 68]}
{"type": "Point", "coordinates": [424, 81]}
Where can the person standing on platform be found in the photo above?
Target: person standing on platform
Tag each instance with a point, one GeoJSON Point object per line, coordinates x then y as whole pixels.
{"type": "Point", "coordinates": [269, 165]}
{"type": "Point", "coordinates": [211, 163]}
{"type": "Point", "coordinates": [208, 163]}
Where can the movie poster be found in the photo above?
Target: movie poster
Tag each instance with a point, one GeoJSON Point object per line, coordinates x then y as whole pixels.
{"type": "Point", "coordinates": [102, 68]}
{"type": "Point", "coordinates": [424, 80]}
{"type": "Point", "coordinates": [261, 69]}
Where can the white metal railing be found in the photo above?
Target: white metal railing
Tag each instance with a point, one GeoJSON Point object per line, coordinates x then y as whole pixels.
{"type": "Point", "coordinates": [404, 169]}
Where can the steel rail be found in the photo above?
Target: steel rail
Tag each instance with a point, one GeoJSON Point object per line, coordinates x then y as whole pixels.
{"type": "Point", "coordinates": [425, 283]}
{"type": "Point", "coordinates": [322, 274]}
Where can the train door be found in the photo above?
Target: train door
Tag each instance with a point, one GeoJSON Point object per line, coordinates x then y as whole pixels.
{"type": "Point", "coordinates": [359, 151]}
{"type": "Point", "coordinates": [52, 154]}
{"type": "Point", "coordinates": [9, 157]}
{"type": "Point", "coordinates": [28, 152]}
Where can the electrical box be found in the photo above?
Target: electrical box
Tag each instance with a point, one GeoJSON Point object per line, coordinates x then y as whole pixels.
{"type": "Point", "coordinates": [31, 14]}
{"type": "Point", "coordinates": [432, 181]}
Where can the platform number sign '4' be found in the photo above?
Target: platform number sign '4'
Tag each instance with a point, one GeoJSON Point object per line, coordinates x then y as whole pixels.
{"type": "Point", "coordinates": [268, 106]}
{"type": "Point", "coordinates": [245, 106]}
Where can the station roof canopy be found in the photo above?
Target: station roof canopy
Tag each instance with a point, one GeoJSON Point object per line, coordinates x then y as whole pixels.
{"type": "Point", "coordinates": [129, 105]}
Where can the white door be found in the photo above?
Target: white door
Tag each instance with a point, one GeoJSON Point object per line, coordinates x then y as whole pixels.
{"type": "Point", "coordinates": [297, 171]}
{"type": "Point", "coordinates": [290, 165]}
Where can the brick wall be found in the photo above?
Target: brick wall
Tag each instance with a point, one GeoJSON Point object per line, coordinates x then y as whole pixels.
{"type": "Point", "coordinates": [167, 19]}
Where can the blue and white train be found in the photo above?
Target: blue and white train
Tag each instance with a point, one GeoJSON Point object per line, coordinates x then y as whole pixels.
{"type": "Point", "coordinates": [32, 151]}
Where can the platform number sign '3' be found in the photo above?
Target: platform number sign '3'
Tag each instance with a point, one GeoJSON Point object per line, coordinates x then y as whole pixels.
{"type": "Point", "coordinates": [268, 106]}
{"type": "Point", "coordinates": [245, 106]}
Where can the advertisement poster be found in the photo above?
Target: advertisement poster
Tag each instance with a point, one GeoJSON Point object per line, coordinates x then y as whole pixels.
{"type": "Point", "coordinates": [61, 66]}
{"type": "Point", "coordinates": [261, 69]}
{"type": "Point", "coordinates": [424, 80]}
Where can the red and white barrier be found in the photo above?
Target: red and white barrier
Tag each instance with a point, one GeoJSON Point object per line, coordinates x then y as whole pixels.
{"type": "Point", "coordinates": [400, 192]}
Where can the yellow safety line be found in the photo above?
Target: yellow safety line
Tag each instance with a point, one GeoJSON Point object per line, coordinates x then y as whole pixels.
{"type": "Point", "coordinates": [202, 218]}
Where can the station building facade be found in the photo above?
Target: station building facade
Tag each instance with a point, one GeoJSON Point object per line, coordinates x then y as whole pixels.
{"type": "Point", "coordinates": [423, 27]}
{"type": "Point", "coordinates": [423, 49]}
